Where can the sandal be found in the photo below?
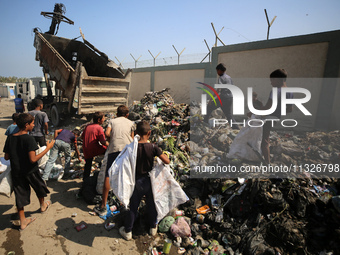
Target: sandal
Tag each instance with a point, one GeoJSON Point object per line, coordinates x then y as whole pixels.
{"type": "Point", "coordinates": [48, 204]}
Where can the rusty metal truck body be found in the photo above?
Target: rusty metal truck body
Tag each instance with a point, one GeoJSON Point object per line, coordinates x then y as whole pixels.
{"type": "Point", "coordinates": [87, 81]}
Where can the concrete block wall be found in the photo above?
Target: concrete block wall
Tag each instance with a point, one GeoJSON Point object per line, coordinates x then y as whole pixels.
{"type": "Point", "coordinates": [178, 78]}
{"type": "Point", "coordinates": [310, 57]}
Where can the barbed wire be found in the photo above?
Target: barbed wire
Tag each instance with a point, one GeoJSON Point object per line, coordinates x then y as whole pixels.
{"type": "Point", "coordinates": [166, 61]}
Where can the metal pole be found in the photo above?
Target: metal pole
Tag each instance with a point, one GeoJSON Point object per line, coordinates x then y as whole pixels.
{"type": "Point", "coordinates": [216, 35]}
{"type": "Point", "coordinates": [209, 53]}
{"type": "Point", "coordinates": [120, 63]}
{"type": "Point", "coordinates": [269, 24]}
{"type": "Point", "coordinates": [178, 54]}
{"type": "Point", "coordinates": [154, 58]}
{"type": "Point", "coordinates": [219, 34]}
{"type": "Point", "coordinates": [135, 60]}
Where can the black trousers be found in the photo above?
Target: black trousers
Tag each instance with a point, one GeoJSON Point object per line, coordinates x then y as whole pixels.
{"type": "Point", "coordinates": [142, 187]}
{"type": "Point", "coordinates": [87, 168]}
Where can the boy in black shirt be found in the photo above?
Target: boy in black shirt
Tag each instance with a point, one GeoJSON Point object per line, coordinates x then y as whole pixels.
{"type": "Point", "coordinates": [20, 150]}
{"type": "Point", "coordinates": [145, 156]}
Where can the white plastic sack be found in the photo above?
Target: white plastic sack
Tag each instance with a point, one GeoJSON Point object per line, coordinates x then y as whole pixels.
{"type": "Point", "coordinates": [3, 164]}
{"type": "Point", "coordinates": [57, 172]}
{"type": "Point", "coordinates": [240, 149]}
{"type": "Point", "coordinates": [122, 173]}
{"type": "Point", "coordinates": [101, 175]}
{"type": "Point", "coordinates": [167, 193]}
{"type": "Point", "coordinates": [42, 162]}
{"type": "Point", "coordinates": [3, 168]}
{"type": "Point", "coordinates": [6, 182]}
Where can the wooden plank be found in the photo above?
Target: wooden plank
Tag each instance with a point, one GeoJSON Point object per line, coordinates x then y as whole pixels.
{"type": "Point", "coordinates": [99, 109]}
{"type": "Point", "coordinates": [101, 100]}
{"type": "Point", "coordinates": [107, 90]}
{"type": "Point", "coordinates": [96, 78]}
{"type": "Point", "coordinates": [108, 84]}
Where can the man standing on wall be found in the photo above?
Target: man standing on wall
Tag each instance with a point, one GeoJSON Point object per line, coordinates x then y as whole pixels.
{"type": "Point", "coordinates": [226, 97]}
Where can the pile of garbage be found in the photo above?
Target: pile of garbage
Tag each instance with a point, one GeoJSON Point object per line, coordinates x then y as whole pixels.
{"type": "Point", "coordinates": [170, 126]}
{"type": "Point", "coordinates": [258, 215]}
{"type": "Point", "coordinates": [264, 214]}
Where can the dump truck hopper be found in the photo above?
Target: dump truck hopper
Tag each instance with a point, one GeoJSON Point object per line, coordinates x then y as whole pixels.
{"type": "Point", "coordinates": [87, 80]}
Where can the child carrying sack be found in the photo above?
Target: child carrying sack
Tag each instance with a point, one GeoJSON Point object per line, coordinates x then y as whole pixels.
{"type": "Point", "coordinates": [167, 193]}
{"type": "Point", "coordinates": [122, 173]}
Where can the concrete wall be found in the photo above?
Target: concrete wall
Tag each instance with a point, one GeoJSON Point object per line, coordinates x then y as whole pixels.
{"type": "Point", "coordinates": [311, 56]}
{"type": "Point", "coordinates": [299, 61]}
{"type": "Point", "coordinates": [178, 81]}
{"type": "Point", "coordinates": [140, 83]}
{"type": "Point", "coordinates": [306, 56]}
{"type": "Point", "coordinates": [177, 77]}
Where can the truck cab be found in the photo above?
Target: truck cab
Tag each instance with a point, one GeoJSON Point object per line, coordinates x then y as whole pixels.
{"type": "Point", "coordinates": [32, 88]}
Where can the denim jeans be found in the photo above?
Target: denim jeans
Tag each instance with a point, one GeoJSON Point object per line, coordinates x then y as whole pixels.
{"type": "Point", "coordinates": [58, 146]}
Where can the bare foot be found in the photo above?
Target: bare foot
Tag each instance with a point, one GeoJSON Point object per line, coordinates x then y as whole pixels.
{"type": "Point", "coordinates": [44, 207]}
{"type": "Point", "coordinates": [26, 222]}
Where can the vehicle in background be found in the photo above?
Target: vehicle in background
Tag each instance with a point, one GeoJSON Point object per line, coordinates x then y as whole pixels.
{"type": "Point", "coordinates": [7, 90]}
{"type": "Point", "coordinates": [32, 88]}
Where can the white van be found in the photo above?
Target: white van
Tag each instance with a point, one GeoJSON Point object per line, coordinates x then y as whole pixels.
{"type": "Point", "coordinates": [33, 87]}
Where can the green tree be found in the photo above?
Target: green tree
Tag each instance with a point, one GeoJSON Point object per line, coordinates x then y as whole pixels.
{"type": "Point", "coordinates": [12, 79]}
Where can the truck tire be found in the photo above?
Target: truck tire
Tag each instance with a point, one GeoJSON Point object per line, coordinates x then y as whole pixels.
{"type": "Point", "coordinates": [55, 119]}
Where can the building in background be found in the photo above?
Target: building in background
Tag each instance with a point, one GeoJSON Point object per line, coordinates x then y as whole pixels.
{"type": "Point", "coordinates": [7, 90]}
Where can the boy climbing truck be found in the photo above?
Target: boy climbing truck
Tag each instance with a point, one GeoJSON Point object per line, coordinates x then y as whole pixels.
{"type": "Point", "coordinates": [87, 81]}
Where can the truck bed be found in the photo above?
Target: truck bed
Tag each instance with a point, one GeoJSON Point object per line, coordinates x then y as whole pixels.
{"type": "Point", "coordinates": [91, 83]}
{"type": "Point", "coordinates": [102, 94]}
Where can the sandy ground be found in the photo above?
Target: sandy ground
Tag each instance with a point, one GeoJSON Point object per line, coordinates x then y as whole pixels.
{"type": "Point", "coordinates": [53, 232]}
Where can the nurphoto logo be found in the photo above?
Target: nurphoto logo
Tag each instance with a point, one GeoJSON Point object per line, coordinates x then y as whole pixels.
{"type": "Point", "coordinates": [239, 103]}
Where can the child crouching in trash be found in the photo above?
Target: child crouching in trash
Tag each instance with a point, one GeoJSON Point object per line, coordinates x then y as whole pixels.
{"type": "Point", "coordinates": [145, 157]}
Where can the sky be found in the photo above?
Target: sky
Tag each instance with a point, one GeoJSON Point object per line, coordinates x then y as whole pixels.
{"type": "Point", "coordinates": [121, 28]}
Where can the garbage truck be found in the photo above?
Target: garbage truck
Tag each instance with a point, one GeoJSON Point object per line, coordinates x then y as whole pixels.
{"type": "Point", "coordinates": [86, 80]}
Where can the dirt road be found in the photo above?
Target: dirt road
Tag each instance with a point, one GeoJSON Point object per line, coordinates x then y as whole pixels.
{"type": "Point", "coordinates": [53, 232]}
